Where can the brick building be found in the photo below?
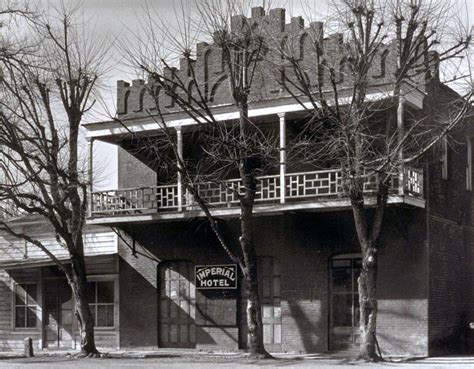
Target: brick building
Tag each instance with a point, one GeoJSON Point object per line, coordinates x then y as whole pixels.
{"type": "Point", "coordinates": [307, 248]}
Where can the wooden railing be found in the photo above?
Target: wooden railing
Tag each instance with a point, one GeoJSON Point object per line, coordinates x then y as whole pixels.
{"type": "Point", "coordinates": [298, 187]}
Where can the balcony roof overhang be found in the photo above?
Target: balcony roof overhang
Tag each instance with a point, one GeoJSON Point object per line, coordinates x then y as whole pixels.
{"type": "Point", "coordinates": [40, 262]}
{"type": "Point", "coordinates": [108, 130]}
{"type": "Point", "coordinates": [259, 210]}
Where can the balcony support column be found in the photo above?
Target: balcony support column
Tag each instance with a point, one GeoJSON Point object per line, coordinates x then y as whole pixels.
{"type": "Point", "coordinates": [179, 147]}
{"type": "Point", "coordinates": [400, 136]}
{"type": "Point", "coordinates": [282, 156]}
{"type": "Point", "coordinates": [90, 173]}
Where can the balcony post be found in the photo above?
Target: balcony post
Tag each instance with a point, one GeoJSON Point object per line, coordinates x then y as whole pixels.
{"type": "Point", "coordinates": [90, 173]}
{"type": "Point", "coordinates": [282, 156]}
{"type": "Point", "coordinates": [179, 146]}
{"type": "Point", "coordinates": [400, 134]}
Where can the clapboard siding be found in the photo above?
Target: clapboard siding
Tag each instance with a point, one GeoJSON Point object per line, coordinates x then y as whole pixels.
{"type": "Point", "coordinates": [107, 264]}
{"type": "Point", "coordinates": [97, 242]}
{"type": "Point", "coordinates": [11, 249]}
{"type": "Point", "coordinates": [5, 303]}
{"type": "Point", "coordinates": [14, 341]}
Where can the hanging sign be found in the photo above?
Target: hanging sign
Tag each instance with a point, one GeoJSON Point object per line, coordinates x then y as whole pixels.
{"type": "Point", "coordinates": [216, 276]}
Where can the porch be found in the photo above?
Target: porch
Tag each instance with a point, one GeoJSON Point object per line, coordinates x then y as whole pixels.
{"type": "Point", "coordinates": [304, 190]}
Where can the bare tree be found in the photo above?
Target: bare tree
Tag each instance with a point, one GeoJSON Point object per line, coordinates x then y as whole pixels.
{"type": "Point", "coordinates": [228, 148]}
{"type": "Point", "coordinates": [348, 129]}
{"type": "Point", "coordinates": [44, 96]}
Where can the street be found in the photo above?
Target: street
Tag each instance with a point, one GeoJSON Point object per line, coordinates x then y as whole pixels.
{"type": "Point", "coordinates": [168, 361]}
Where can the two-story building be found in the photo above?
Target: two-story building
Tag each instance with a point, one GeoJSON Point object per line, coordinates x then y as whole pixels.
{"type": "Point", "coordinates": [306, 243]}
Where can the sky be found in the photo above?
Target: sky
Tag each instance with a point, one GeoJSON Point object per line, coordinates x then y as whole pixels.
{"type": "Point", "coordinates": [117, 19]}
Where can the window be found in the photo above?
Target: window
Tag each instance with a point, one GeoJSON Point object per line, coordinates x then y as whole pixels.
{"type": "Point", "coordinates": [101, 303]}
{"type": "Point", "coordinates": [25, 305]}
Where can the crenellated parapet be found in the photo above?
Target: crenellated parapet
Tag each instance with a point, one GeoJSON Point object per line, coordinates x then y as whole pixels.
{"type": "Point", "coordinates": [281, 39]}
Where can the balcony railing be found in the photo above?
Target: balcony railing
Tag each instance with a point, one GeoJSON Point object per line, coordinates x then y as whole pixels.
{"type": "Point", "coordinates": [299, 187]}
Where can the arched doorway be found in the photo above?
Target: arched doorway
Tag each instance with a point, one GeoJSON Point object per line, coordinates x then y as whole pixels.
{"type": "Point", "coordinates": [176, 315]}
{"type": "Point", "coordinates": [344, 301]}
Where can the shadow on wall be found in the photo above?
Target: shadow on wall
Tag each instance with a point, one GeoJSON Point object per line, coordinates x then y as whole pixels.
{"type": "Point", "coordinates": [155, 315]}
{"type": "Point", "coordinates": [309, 331]}
{"type": "Point", "coordinates": [157, 246]}
{"type": "Point", "coordinates": [458, 341]}
{"type": "Point", "coordinates": [402, 327]}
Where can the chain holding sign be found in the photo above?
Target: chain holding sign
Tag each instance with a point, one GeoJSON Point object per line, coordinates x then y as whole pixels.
{"type": "Point", "coordinates": [216, 276]}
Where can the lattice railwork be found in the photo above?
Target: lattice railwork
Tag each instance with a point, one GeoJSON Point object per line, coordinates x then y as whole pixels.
{"type": "Point", "coordinates": [413, 179]}
{"type": "Point", "coordinates": [167, 197]}
{"type": "Point", "coordinates": [135, 200]}
{"type": "Point", "coordinates": [298, 186]}
{"type": "Point", "coordinates": [220, 193]}
{"type": "Point", "coordinates": [268, 188]}
{"type": "Point", "coordinates": [309, 184]}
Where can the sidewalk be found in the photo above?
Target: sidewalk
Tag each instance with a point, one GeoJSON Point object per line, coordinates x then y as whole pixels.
{"type": "Point", "coordinates": [182, 358]}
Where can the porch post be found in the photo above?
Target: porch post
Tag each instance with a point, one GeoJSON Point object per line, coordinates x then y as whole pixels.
{"type": "Point", "coordinates": [282, 156]}
{"type": "Point", "coordinates": [179, 144]}
{"type": "Point", "coordinates": [400, 134]}
{"type": "Point", "coordinates": [90, 173]}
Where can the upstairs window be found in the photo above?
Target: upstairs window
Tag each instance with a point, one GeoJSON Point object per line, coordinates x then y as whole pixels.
{"type": "Point", "coordinates": [101, 302]}
{"type": "Point", "coordinates": [25, 305]}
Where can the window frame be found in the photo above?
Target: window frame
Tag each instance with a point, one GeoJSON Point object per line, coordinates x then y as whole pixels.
{"type": "Point", "coordinates": [106, 278]}
{"type": "Point", "coordinates": [25, 306]}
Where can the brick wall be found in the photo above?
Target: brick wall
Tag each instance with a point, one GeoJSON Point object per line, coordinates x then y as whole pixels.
{"type": "Point", "coordinates": [135, 101]}
{"type": "Point", "coordinates": [303, 243]}
{"type": "Point", "coordinates": [449, 206]}
{"type": "Point", "coordinates": [132, 172]}
{"type": "Point", "coordinates": [402, 323]}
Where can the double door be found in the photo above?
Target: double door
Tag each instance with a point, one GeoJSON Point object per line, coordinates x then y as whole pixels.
{"type": "Point", "coordinates": [58, 314]}
{"type": "Point", "coordinates": [177, 326]}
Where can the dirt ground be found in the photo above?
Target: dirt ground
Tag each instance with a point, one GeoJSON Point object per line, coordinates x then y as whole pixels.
{"type": "Point", "coordinates": [168, 361]}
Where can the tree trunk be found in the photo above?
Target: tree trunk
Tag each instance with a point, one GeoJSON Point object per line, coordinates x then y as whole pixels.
{"type": "Point", "coordinates": [254, 308]}
{"type": "Point", "coordinates": [78, 285]}
{"type": "Point", "coordinates": [367, 282]}
{"type": "Point", "coordinates": [368, 304]}
{"type": "Point", "coordinates": [254, 314]}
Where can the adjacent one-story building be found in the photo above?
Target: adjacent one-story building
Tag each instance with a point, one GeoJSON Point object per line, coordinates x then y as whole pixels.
{"type": "Point", "coordinates": [160, 279]}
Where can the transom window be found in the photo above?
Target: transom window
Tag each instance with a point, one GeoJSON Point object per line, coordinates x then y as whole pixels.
{"type": "Point", "coordinates": [101, 302]}
{"type": "Point", "coordinates": [25, 305]}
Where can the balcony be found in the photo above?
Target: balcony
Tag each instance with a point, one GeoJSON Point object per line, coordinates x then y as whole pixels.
{"type": "Point", "coordinates": [306, 190]}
